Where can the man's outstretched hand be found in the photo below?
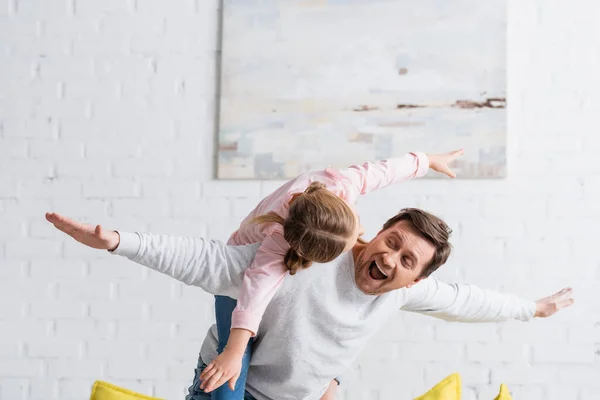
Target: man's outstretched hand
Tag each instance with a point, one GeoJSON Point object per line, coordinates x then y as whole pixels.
{"type": "Point", "coordinates": [90, 235]}
{"type": "Point", "coordinates": [552, 304]}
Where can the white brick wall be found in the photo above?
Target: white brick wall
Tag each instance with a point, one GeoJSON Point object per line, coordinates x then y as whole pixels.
{"type": "Point", "coordinates": [106, 113]}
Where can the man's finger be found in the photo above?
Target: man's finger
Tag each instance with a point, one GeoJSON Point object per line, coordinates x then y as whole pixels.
{"type": "Point", "coordinates": [62, 220]}
{"type": "Point", "coordinates": [68, 222]}
{"type": "Point", "coordinates": [55, 221]}
{"type": "Point", "coordinates": [60, 228]}
{"type": "Point", "coordinates": [566, 303]}
{"type": "Point", "coordinates": [68, 230]}
{"type": "Point", "coordinates": [64, 224]}
{"type": "Point", "coordinates": [52, 217]}
{"type": "Point", "coordinates": [71, 232]}
{"type": "Point", "coordinates": [563, 297]}
{"type": "Point", "coordinates": [565, 290]}
{"type": "Point", "coordinates": [563, 293]}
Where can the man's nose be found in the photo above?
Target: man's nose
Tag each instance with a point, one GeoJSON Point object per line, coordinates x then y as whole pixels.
{"type": "Point", "coordinates": [388, 260]}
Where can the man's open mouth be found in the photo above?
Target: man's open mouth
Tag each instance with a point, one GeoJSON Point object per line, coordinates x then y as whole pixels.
{"type": "Point", "coordinates": [375, 272]}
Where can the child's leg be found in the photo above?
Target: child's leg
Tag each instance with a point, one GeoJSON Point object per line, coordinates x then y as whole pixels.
{"type": "Point", "coordinates": [194, 391]}
{"type": "Point", "coordinates": [224, 307]}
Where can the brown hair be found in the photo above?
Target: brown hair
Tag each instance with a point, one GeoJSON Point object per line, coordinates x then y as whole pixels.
{"type": "Point", "coordinates": [432, 229]}
{"type": "Point", "coordinates": [317, 228]}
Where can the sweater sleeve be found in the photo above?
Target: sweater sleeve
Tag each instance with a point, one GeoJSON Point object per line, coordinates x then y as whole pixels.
{"type": "Point", "coordinates": [371, 176]}
{"type": "Point", "coordinates": [465, 303]}
{"type": "Point", "coordinates": [209, 264]}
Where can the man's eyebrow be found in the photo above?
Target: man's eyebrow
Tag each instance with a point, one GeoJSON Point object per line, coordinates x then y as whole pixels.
{"type": "Point", "coordinates": [397, 234]}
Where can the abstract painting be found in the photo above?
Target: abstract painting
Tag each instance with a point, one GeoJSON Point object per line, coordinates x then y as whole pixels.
{"type": "Point", "coordinates": [307, 84]}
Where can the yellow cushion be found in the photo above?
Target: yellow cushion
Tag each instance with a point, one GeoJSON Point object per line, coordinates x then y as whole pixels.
{"type": "Point", "coordinates": [447, 389]}
{"type": "Point", "coordinates": [107, 391]}
{"type": "Point", "coordinates": [504, 393]}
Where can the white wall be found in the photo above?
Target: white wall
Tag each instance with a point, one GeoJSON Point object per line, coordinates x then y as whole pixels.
{"type": "Point", "coordinates": [106, 113]}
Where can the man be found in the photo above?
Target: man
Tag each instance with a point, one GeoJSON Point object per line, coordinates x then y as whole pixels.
{"type": "Point", "coordinates": [321, 318]}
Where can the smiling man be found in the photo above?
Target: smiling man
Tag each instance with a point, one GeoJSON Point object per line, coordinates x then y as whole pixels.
{"type": "Point", "coordinates": [409, 248]}
{"type": "Point", "coordinates": [320, 319]}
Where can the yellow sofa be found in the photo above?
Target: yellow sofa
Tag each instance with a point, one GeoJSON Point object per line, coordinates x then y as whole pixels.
{"type": "Point", "coordinates": [450, 388]}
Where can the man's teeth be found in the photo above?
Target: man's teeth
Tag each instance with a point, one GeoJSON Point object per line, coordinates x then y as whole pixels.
{"type": "Point", "coordinates": [380, 269]}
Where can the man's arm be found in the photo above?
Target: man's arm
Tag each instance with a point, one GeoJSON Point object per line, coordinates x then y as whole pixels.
{"type": "Point", "coordinates": [469, 303]}
{"type": "Point", "coordinates": [209, 264]}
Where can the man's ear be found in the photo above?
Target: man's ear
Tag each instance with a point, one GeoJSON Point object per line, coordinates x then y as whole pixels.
{"type": "Point", "coordinates": [414, 282]}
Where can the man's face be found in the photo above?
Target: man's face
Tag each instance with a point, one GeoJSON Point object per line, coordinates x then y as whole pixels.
{"type": "Point", "coordinates": [394, 259]}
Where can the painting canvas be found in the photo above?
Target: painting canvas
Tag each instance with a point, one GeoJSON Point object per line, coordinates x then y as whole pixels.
{"type": "Point", "coordinates": [307, 84]}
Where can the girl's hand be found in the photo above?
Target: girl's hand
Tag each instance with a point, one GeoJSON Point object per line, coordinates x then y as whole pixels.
{"type": "Point", "coordinates": [439, 162]}
{"type": "Point", "coordinates": [226, 367]}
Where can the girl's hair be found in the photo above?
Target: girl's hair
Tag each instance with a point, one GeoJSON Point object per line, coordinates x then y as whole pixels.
{"type": "Point", "coordinates": [317, 228]}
